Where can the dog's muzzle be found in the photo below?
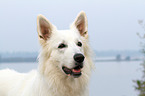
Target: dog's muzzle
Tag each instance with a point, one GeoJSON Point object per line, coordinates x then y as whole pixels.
{"type": "Point", "coordinates": [76, 71]}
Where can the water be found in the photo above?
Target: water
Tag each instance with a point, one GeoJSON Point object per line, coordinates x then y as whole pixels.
{"type": "Point", "coordinates": [115, 78]}
{"type": "Point", "coordinates": [108, 79]}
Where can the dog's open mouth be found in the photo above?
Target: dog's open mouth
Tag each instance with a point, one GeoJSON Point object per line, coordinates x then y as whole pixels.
{"type": "Point", "coordinates": [75, 72]}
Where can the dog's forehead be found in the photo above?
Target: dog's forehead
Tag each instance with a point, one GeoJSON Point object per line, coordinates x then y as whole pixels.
{"type": "Point", "coordinates": [68, 35]}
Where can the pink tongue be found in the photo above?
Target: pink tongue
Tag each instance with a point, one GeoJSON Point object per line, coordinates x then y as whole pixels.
{"type": "Point", "coordinates": [76, 70]}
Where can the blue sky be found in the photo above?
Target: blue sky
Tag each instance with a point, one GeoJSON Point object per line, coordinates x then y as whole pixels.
{"type": "Point", "coordinates": [112, 23]}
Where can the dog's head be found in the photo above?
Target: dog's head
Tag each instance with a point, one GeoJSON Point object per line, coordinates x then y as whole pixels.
{"type": "Point", "coordinates": [64, 48]}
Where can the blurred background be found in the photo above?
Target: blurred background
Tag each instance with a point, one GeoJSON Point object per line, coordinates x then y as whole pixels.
{"type": "Point", "coordinates": [116, 29]}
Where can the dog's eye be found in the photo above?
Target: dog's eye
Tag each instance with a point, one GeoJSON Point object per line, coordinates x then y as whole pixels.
{"type": "Point", "coordinates": [62, 46]}
{"type": "Point", "coordinates": [79, 44]}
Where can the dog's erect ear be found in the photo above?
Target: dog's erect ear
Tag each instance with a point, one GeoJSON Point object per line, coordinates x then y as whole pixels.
{"type": "Point", "coordinates": [44, 27]}
{"type": "Point", "coordinates": [81, 24]}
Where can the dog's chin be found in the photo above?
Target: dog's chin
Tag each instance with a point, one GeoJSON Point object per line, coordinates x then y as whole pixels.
{"type": "Point", "coordinates": [75, 72]}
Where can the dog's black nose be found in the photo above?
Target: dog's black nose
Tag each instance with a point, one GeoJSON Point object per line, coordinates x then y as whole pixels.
{"type": "Point", "coordinates": [79, 58]}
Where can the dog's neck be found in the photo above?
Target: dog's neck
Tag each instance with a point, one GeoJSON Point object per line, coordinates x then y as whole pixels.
{"type": "Point", "coordinates": [59, 83]}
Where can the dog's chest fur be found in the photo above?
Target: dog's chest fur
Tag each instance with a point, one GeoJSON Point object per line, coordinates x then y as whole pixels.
{"type": "Point", "coordinates": [59, 84]}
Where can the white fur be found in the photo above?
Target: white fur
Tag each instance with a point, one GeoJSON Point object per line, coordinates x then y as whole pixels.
{"type": "Point", "coordinates": [49, 79]}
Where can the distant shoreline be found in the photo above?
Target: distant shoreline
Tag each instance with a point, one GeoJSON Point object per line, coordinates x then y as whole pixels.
{"type": "Point", "coordinates": [114, 60]}
{"type": "Point", "coordinates": [34, 59]}
{"type": "Point", "coordinates": [15, 60]}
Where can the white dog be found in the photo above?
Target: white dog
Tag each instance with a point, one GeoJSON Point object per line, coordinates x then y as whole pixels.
{"type": "Point", "coordinates": [64, 63]}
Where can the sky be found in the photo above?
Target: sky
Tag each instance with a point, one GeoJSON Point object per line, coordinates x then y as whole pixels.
{"type": "Point", "coordinates": [112, 24]}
